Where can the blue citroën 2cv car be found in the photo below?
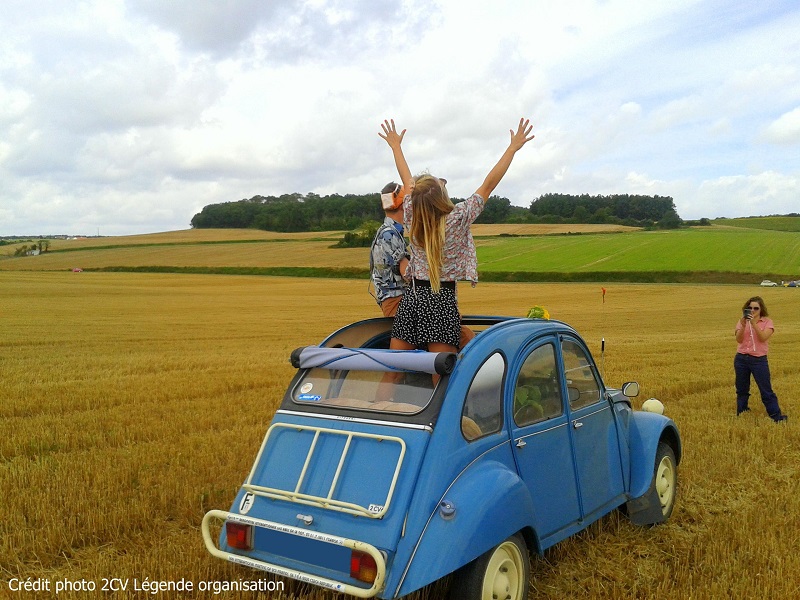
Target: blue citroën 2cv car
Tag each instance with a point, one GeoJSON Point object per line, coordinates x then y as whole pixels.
{"type": "Point", "coordinates": [384, 471]}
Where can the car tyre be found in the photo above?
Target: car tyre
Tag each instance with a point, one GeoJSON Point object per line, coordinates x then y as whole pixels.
{"type": "Point", "coordinates": [502, 573]}
{"type": "Point", "coordinates": [665, 478]}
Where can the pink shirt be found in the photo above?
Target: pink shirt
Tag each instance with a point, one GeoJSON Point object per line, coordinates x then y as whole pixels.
{"type": "Point", "coordinates": [750, 343]}
{"type": "Point", "coordinates": [459, 260]}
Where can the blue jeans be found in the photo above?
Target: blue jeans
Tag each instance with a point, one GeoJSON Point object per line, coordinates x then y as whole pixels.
{"type": "Point", "coordinates": [745, 365]}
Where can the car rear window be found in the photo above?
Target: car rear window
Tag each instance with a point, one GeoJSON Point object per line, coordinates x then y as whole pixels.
{"type": "Point", "coordinates": [378, 391]}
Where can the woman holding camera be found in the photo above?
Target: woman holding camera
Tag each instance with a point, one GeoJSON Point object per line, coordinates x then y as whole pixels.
{"type": "Point", "coordinates": [752, 336]}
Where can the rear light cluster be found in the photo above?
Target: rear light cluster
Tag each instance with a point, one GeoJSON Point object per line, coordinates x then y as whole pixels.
{"type": "Point", "coordinates": [240, 536]}
{"type": "Point", "coordinates": [363, 567]}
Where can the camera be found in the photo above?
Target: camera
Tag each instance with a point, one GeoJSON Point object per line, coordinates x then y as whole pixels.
{"type": "Point", "coordinates": [746, 313]}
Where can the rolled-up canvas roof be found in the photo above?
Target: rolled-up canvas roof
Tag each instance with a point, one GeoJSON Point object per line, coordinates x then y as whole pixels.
{"type": "Point", "coordinates": [369, 359]}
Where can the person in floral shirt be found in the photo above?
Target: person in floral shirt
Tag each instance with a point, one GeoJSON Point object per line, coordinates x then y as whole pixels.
{"type": "Point", "coordinates": [442, 248]}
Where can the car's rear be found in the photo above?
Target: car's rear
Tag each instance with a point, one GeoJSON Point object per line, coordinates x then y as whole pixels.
{"type": "Point", "coordinates": [328, 494]}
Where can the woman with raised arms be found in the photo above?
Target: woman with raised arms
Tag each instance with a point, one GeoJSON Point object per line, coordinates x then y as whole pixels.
{"type": "Point", "coordinates": [442, 248]}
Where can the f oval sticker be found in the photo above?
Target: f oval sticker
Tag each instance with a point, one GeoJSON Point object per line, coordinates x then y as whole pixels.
{"type": "Point", "coordinates": [246, 504]}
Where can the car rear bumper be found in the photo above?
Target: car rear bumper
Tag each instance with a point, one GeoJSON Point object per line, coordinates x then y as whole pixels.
{"type": "Point", "coordinates": [283, 571]}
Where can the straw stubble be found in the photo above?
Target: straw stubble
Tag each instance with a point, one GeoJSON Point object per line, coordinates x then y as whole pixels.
{"type": "Point", "coordinates": [133, 403]}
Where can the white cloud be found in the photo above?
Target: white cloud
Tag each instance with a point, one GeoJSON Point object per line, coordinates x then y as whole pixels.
{"type": "Point", "coordinates": [761, 194]}
{"type": "Point", "coordinates": [785, 129]}
{"type": "Point", "coordinates": [130, 115]}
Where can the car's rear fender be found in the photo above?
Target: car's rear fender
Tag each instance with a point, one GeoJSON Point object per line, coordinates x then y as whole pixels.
{"type": "Point", "coordinates": [646, 430]}
{"type": "Point", "coordinates": [461, 529]}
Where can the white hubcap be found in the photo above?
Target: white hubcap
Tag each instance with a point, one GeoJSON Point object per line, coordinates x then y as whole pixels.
{"type": "Point", "coordinates": [504, 574]}
{"type": "Point", "coordinates": [665, 484]}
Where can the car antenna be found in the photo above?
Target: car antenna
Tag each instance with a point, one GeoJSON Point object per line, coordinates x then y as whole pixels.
{"type": "Point", "coordinates": [603, 358]}
{"type": "Point", "coordinates": [603, 339]}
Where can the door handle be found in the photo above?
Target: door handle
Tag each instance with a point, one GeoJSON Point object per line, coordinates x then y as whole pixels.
{"type": "Point", "coordinates": [577, 424]}
{"type": "Point", "coordinates": [521, 443]}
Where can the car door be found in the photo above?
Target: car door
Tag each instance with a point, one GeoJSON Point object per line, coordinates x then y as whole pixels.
{"type": "Point", "coordinates": [593, 429]}
{"type": "Point", "coordinates": [541, 438]}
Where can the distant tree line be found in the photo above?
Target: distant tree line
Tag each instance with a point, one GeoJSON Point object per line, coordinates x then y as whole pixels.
{"type": "Point", "coordinates": [292, 212]}
{"type": "Point", "coordinates": [312, 212]}
{"type": "Point", "coordinates": [623, 209]}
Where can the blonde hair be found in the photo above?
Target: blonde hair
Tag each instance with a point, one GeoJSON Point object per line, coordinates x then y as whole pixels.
{"type": "Point", "coordinates": [430, 205]}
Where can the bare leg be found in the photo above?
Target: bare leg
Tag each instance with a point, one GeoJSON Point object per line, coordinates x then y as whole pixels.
{"type": "Point", "coordinates": [398, 344]}
{"type": "Point", "coordinates": [389, 379]}
{"type": "Point", "coordinates": [467, 335]}
{"type": "Point", "coordinates": [437, 347]}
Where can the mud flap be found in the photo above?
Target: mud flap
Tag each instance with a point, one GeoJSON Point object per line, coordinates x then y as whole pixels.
{"type": "Point", "coordinates": [646, 509]}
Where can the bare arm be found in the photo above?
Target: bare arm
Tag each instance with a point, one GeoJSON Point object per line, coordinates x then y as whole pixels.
{"type": "Point", "coordinates": [518, 140]}
{"type": "Point", "coordinates": [404, 267]}
{"type": "Point", "coordinates": [395, 140]}
{"type": "Point", "coordinates": [739, 332]}
{"type": "Point", "coordinates": [762, 334]}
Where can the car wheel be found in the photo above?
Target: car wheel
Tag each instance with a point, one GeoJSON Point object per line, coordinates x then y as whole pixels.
{"type": "Point", "coordinates": [501, 573]}
{"type": "Point", "coordinates": [665, 478]}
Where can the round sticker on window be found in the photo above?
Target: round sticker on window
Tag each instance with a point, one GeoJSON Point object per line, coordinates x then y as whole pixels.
{"type": "Point", "coordinates": [307, 387]}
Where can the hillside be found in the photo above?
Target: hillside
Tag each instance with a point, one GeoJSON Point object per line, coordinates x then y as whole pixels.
{"type": "Point", "coordinates": [716, 254]}
{"type": "Point", "coordinates": [782, 223]}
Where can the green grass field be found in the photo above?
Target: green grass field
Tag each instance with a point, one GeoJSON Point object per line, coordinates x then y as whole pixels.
{"type": "Point", "coordinates": [770, 223]}
{"type": "Point", "coordinates": [750, 252]}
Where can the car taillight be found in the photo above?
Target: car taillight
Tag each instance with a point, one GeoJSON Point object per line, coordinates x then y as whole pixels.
{"type": "Point", "coordinates": [363, 567]}
{"type": "Point", "coordinates": [240, 536]}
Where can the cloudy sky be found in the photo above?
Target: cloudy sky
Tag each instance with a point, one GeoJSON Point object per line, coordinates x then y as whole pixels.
{"type": "Point", "coordinates": [128, 116]}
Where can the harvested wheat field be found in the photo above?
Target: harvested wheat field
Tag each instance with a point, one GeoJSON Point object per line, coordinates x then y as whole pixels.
{"type": "Point", "coordinates": [133, 403]}
{"type": "Point", "coordinates": [188, 236]}
{"type": "Point", "coordinates": [283, 253]}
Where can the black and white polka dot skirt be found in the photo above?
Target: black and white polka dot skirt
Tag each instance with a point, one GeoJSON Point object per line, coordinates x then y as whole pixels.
{"type": "Point", "coordinates": [424, 317]}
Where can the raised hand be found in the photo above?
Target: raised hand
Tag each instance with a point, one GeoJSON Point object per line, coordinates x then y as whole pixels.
{"type": "Point", "coordinates": [523, 134]}
{"type": "Point", "coordinates": [390, 134]}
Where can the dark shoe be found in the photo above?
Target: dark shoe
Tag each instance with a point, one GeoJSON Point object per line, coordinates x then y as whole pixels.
{"type": "Point", "coordinates": [780, 418]}
{"type": "Point", "coordinates": [744, 410]}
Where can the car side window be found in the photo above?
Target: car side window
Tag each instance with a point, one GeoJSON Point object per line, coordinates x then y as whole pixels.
{"type": "Point", "coordinates": [537, 394]}
{"type": "Point", "coordinates": [582, 384]}
{"type": "Point", "coordinates": [483, 407]}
